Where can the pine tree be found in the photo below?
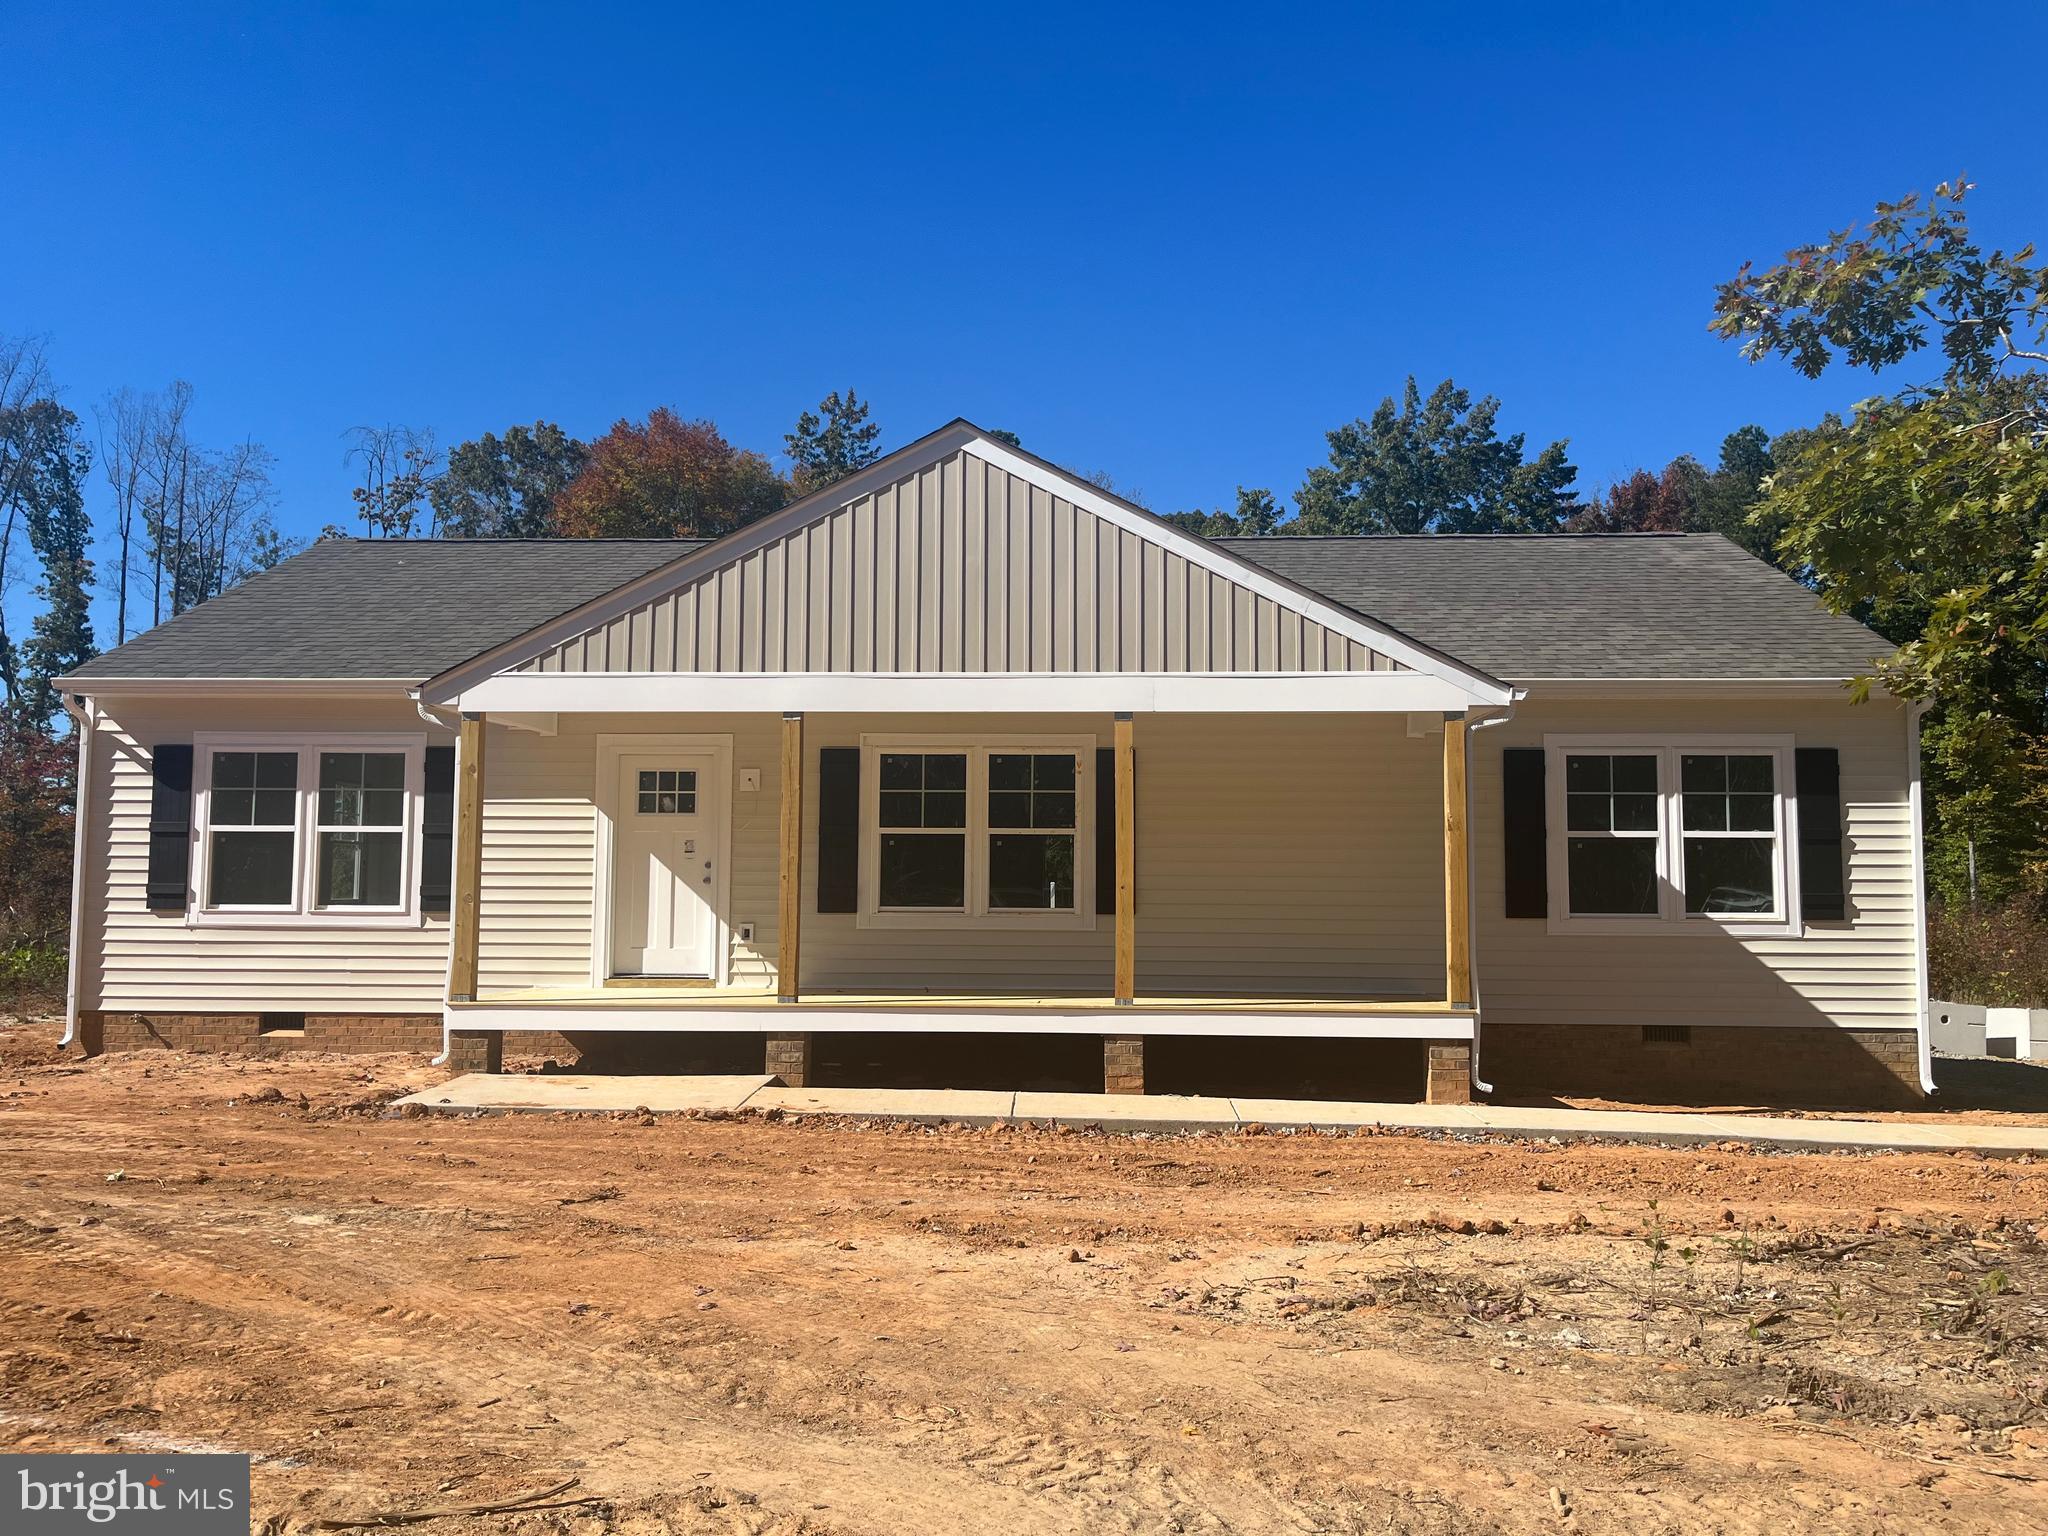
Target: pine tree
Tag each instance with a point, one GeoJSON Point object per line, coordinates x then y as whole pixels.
{"type": "Point", "coordinates": [831, 443]}
{"type": "Point", "coordinates": [60, 533]}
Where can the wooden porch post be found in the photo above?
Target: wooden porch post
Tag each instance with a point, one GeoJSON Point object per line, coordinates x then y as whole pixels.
{"type": "Point", "coordinates": [1126, 864]}
{"type": "Point", "coordinates": [1457, 870]}
{"type": "Point", "coordinates": [469, 857]}
{"type": "Point", "coordinates": [789, 913]}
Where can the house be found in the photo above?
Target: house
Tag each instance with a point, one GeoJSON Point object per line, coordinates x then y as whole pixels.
{"type": "Point", "coordinates": [965, 745]}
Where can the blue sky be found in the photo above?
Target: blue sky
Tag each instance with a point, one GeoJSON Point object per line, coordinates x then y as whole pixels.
{"type": "Point", "coordinates": [1174, 244]}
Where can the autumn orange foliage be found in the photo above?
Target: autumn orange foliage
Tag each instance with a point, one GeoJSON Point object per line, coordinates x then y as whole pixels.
{"type": "Point", "coordinates": [667, 477]}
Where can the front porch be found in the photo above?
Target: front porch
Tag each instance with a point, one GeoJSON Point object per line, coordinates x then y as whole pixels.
{"type": "Point", "coordinates": [1271, 876]}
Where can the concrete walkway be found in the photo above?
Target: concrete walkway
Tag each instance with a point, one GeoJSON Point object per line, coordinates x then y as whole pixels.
{"type": "Point", "coordinates": [489, 1093]}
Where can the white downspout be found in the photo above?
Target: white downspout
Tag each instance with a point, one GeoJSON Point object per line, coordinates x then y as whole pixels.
{"type": "Point", "coordinates": [1916, 708]}
{"type": "Point", "coordinates": [1497, 715]}
{"type": "Point", "coordinates": [82, 716]}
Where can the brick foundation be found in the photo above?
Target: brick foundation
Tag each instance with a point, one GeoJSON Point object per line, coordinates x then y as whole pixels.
{"type": "Point", "coordinates": [1449, 1072]}
{"type": "Point", "coordinates": [1123, 1063]}
{"type": "Point", "coordinates": [476, 1050]}
{"type": "Point", "coordinates": [243, 1033]}
{"type": "Point", "coordinates": [789, 1057]}
{"type": "Point", "coordinates": [1819, 1067]}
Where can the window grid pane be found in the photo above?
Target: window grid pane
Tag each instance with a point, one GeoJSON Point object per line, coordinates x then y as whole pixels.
{"type": "Point", "coordinates": [666, 792]}
{"type": "Point", "coordinates": [1612, 834]}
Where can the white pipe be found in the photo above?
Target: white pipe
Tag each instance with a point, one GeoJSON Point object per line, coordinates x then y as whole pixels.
{"type": "Point", "coordinates": [1498, 714]}
{"type": "Point", "coordinates": [82, 718]}
{"type": "Point", "coordinates": [1915, 808]}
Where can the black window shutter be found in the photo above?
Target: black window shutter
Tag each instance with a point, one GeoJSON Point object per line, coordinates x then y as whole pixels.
{"type": "Point", "coordinates": [839, 829]}
{"type": "Point", "coordinates": [170, 827]}
{"type": "Point", "coordinates": [1823, 893]}
{"type": "Point", "coordinates": [1105, 826]}
{"type": "Point", "coordinates": [437, 832]}
{"type": "Point", "coordinates": [1525, 841]}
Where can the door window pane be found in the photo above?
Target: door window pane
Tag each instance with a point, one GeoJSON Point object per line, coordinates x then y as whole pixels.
{"type": "Point", "coordinates": [1612, 876]}
{"type": "Point", "coordinates": [921, 869]}
{"type": "Point", "coordinates": [667, 792]}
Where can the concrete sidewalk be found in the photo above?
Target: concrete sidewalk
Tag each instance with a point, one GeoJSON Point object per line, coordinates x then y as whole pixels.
{"type": "Point", "coordinates": [490, 1093]}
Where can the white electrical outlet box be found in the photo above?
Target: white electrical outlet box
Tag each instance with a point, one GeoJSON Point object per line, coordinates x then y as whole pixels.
{"type": "Point", "coordinates": [750, 778]}
{"type": "Point", "coordinates": [746, 933]}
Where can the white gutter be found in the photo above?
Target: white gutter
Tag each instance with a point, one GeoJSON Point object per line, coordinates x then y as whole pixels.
{"type": "Point", "coordinates": [1915, 803]}
{"type": "Point", "coordinates": [187, 687]}
{"type": "Point", "coordinates": [1497, 715]}
{"type": "Point", "coordinates": [82, 719]}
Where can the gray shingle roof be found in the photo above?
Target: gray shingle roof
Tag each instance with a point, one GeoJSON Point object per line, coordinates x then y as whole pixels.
{"type": "Point", "coordinates": [1637, 606]}
{"type": "Point", "coordinates": [1647, 605]}
{"type": "Point", "coordinates": [383, 608]}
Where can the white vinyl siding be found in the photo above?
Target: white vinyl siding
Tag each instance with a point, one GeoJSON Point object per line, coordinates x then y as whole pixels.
{"type": "Point", "coordinates": [960, 567]}
{"type": "Point", "coordinates": [133, 959]}
{"type": "Point", "coordinates": [1858, 973]}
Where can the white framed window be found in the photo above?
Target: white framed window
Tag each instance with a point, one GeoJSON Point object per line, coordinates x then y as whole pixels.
{"type": "Point", "coordinates": [302, 830]}
{"type": "Point", "coordinates": [958, 831]}
{"type": "Point", "coordinates": [1661, 834]}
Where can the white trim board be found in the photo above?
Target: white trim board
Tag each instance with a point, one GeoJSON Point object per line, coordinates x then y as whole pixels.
{"type": "Point", "coordinates": [963, 693]}
{"type": "Point", "coordinates": [825, 1017]}
{"type": "Point", "coordinates": [1474, 686]}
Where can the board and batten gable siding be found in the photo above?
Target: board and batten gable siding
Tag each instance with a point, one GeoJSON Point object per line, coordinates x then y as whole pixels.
{"type": "Point", "coordinates": [134, 960]}
{"type": "Point", "coordinates": [1859, 974]}
{"type": "Point", "coordinates": [1276, 852]}
{"type": "Point", "coordinates": [960, 567]}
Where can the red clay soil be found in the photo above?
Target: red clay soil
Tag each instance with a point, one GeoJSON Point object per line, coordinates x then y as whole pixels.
{"type": "Point", "coordinates": [750, 1325]}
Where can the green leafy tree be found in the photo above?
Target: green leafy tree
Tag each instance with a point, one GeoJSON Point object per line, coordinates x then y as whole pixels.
{"type": "Point", "coordinates": [831, 443]}
{"type": "Point", "coordinates": [398, 466]}
{"type": "Point", "coordinates": [505, 487]}
{"type": "Point", "coordinates": [1926, 513]}
{"type": "Point", "coordinates": [1257, 513]}
{"type": "Point", "coordinates": [1435, 465]}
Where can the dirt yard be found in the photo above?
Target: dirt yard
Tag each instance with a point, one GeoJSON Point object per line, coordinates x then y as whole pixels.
{"type": "Point", "coordinates": [746, 1325]}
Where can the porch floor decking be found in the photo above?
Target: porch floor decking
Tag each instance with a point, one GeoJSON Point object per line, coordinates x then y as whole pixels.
{"type": "Point", "coordinates": [639, 995]}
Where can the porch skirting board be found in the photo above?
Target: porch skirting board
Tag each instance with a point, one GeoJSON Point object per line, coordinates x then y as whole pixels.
{"type": "Point", "coordinates": [822, 1016]}
{"type": "Point", "coordinates": [1822, 1066]}
{"type": "Point", "coordinates": [245, 1034]}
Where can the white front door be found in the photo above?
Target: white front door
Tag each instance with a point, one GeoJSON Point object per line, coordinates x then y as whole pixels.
{"type": "Point", "coordinates": [665, 875]}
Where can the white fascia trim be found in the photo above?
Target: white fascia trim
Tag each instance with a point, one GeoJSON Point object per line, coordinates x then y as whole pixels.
{"type": "Point", "coordinates": [965, 692]}
{"type": "Point", "coordinates": [828, 1018]}
{"type": "Point", "coordinates": [1480, 687]}
{"type": "Point", "coordinates": [262, 687]}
